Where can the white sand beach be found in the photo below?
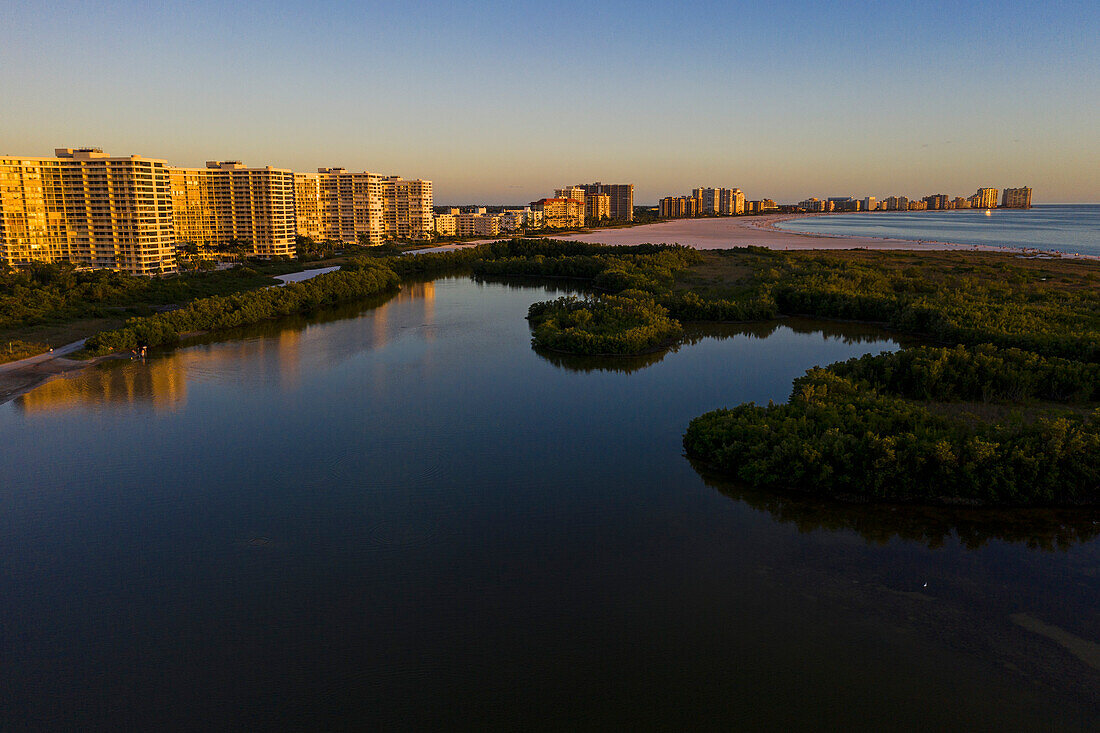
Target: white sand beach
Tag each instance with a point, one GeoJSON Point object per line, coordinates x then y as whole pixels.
{"type": "Point", "coordinates": [744, 231]}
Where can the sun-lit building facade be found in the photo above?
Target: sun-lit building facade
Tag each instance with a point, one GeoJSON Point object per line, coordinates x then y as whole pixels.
{"type": "Point", "coordinates": [407, 208]}
{"type": "Point", "coordinates": [88, 208]}
{"type": "Point", "coordinates": [307, 205]}
{"type": "Point", "coordinates": [350, 206]}
{"type": "Point", "coordinates": [679, 207]}
{"type": "Point", "coordinates": [226, 203]}
{"type": "Point", "coordinates": [731, 202]}
{"type": "Point", "coordinates": [477, 225]}
{"type": "Point", "coordinates": [985, 198]}
{"type": "Point", "coordinates": [597, 207]}
{"type": "Point", "coordinates": [560, 212]}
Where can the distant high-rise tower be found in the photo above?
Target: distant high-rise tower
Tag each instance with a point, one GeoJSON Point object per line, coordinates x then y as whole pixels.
{"type": "Point", "coordinates": [1016, 198]}
{"type": "Point", "coordinates": [731, 202]}
{"type": "Point", "coordinates": [620, 195]}
{"type": "Point", "coordinates": [986, 198]}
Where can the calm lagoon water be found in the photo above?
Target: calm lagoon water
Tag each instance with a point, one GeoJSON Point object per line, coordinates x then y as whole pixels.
{"type": "Point", "coordinates": [1050, 227]}
{"type": "Point", "coordinates": [401, 515]}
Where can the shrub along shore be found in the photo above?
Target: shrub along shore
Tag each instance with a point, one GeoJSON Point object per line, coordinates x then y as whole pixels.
{"type": "Point", "coordinates": [1005, 413]}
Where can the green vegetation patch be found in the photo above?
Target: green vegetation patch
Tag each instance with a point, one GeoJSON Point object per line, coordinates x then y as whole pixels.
{"type": "Point", "coordinates": [606, 325]}
{"type": "Point", "coordinates": [218, 312]}
{"type": "Point", "coordinates": [840, 439]}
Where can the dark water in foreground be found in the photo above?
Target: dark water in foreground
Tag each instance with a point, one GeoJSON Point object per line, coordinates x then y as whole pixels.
{"type": "Point", "coordinates": [407, 518]}
{"type": "Point", "coordinates": [1050, 227]}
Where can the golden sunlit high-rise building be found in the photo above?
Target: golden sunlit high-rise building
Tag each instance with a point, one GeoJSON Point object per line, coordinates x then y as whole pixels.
{"type": "Point", "coordinates": [731, 202]}
{"type": "Point", "coordinates": [985, 198]}
{"type": "Point", "coordinates": [307, 205]}
{"type": "Point", "coordinates": [351, 205]}
{"type": "Point", "coordinates": [597, 207]}
{"type": "Point", "coordinates": [86, 207]}
{"type": "Point", "coordinates": [678, 207]}
{"type": "Point", "coordinates": [407, 208]}
{"type": "Point", "coordinates": [368, 207]}
{"type": "Point", "coordinates": [226, 203]}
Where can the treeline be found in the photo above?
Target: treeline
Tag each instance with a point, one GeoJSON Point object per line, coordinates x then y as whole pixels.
{"type": "Point", "coordinates": [991, 305]}
{"type": "Point", "coordinates": [218, 312]}
{"type": "Point", "coordinates": [58, 292]}
{"type": "Point", "coordinates": [839, 439]}
{"type": "Point", "coordinates": [978, 373]}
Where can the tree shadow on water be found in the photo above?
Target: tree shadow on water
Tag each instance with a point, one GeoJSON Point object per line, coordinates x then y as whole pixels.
{"type": "Point", "coordinates": [1049, 529]}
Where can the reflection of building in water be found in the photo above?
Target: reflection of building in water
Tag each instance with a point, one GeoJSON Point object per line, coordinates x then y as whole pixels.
{"type": "Point", "coordinates": [274, 357]}
{"type": "Point", "coordinates": [378, 323]}
{"type": "Point", "coordinates": [160, 382]}
{"type": "Point", "coordinates": [424, 292]}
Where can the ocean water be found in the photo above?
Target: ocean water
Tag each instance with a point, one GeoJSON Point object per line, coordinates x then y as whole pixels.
{"type": "Point", "coordinates": [1071, 228]}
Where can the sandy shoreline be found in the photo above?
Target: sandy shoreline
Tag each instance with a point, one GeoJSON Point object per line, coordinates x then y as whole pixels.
{"type": "Point", "coordinates": [20, 377]}
{"type": "Point", "coordinates": [761, 231]}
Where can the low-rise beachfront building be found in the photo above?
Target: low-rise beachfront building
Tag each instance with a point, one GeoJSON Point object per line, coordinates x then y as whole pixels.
{"type": "Point", "coordinates": [1016, 198]}
{"type": "Point", "coordinates": [960, 203]}
{"type": "Point", "coordinates": [915, 205]}
{"type": "Point", "coordinates": [560, 212]}
{"type": "Point", "coordinates": [842, 204]}
{"type": "Point", "coordinates": [812, 204]}
{"type": "Point", "coordinates": [512, 219]}
{"type": "Point", "coordinates": [88, 208]}
{"type": "Point", "coordinates": [445, 225]}
{"type": "Point", "coordinates": [477, 225]}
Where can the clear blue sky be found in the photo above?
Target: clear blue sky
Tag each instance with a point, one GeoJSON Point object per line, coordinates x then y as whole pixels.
{"type": "Point", "coordinates": [503, 101]}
